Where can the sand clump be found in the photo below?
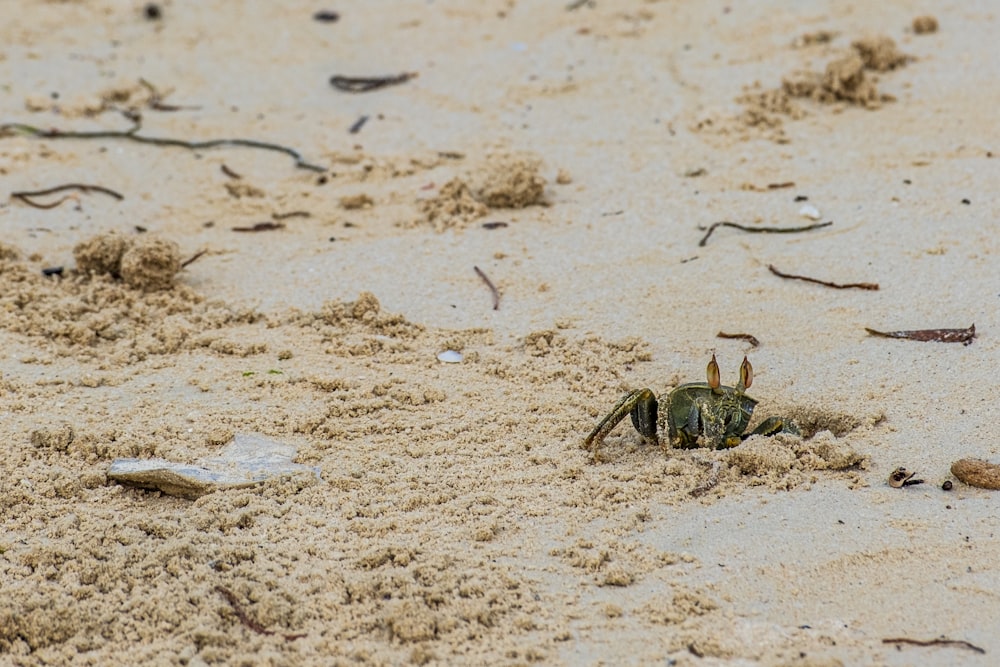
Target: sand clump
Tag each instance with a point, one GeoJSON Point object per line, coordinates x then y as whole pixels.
{"type": "Point", "coordinates": [506, 181]}
{"type": "Point", "coordinates": [925, 25]}
{"type": "Point", "coordinates": [144, 264]}
{"type": "Point", "coordinates": [846, 79]}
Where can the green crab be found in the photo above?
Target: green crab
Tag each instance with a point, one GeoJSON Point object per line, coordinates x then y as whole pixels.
{"type": "Point", "coordinates": [697, 410]}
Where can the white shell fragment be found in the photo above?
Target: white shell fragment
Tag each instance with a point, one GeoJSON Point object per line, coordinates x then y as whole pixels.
{"type": "Point", "coordinates": [450, 357]}
{"type": "Point", "coordinates": [249, 459]}
{"type": "Point", "coordinates": [810, 211]}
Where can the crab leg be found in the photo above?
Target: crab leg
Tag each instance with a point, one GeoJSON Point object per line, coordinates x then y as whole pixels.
{"type": "Point", "coordinates": [641, 405]}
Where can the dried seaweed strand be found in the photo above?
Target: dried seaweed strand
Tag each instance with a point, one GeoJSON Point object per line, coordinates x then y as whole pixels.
{"type": "Point", "coordinates": [935, 642]}
{"type": "Point", "coordinates": [7, 129]}
{"type": "Point", "coordinates": [964, 336]}
{"type": "Point", "coordinates": [245, 619]}
{"type": "Point", "coordinates": [27, 195]}
{"type": "Point", "coordinates": [493, 288]}
{"type": "Point", "coordinates": [266, 226]}
{"type": "Point", "coordinates": [364, 84]}
{"type": "Point", "coordinates": [867, 286]}
{"type": "Point", "coordinates": [758, 230]}
{"type": "Point", "coordinates": [740, 336]}
{"type": "Point", "coordinates": [291, 214]}
{"type": "Point", "coordinates": [156, 99]}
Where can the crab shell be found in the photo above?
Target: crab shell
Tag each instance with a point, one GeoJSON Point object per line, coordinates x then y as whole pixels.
{"type": "Point", "coordinates": [720, 415]}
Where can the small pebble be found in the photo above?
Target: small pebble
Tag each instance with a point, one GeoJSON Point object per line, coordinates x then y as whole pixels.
{"type": "Point", "coordinates": [810, 211]}
{"type": "Point", "coordinates": [450, 357]}
{"type": "Point", "coordinates": [947, 485]}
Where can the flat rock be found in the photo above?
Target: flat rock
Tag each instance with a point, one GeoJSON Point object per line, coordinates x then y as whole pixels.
{"type": "Point", "coordinates": [248, 460]}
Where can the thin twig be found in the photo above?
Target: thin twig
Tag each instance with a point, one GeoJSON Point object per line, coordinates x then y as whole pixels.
{"type": "Point", "coordinates": [245, 619]}
{"type": "Point", "coordinates": [266, 226]}
{"type": "Point", "coordinates": [758, 230]}
{"type": "Point", "coordinates": [190, 260]}
{"type": "Point", "coordinates": [493, 288]}
{"type": "Point", "coordinates": [156, 99]}
{"type": "Point", "coordinates": [291, 214]}
{"type": "Point", "coordinates": [961, 643]}
{"type": "Point", "coordinates": [357, 125]}
{"type": "Point", "coordinates": [867, 286]}
{"type": "Point", "coordinates": [131, 134]}
{"type": "Point", "coordinates": [964, 336]}
{"type": "Point", "coordinates": [364, 84]}
{"type": "Point", "coordinates": [229, 172]}
{"type": "Point", "coordinates": [740, 336]}
{"type": "Point", "coordinates": [27, 195]}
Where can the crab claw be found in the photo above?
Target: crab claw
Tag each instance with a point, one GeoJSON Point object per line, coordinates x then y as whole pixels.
{"type": "Point", "coordinates": [746, 376]}
{"type": "Point", "coordinates": [714, 379]}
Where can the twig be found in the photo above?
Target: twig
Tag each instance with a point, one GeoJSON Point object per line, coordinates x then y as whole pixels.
{"type": "Point", "coordinates": [245, 619]}
{"type": "Point", "coordinates": [493, 288]}
{"type": "Point", "coordinates": [963, 336]}
{"type": "Point", "coordinates": [758, 230]}
{"type": "Point", "coordinates": [191, 260]}
{"type": "Point", "coordinates": [156, 99]}
{"type": "Point", "coordinates": [741, 336]}
{"type": "Point", "coordinates": [497, 224]}
{"type": "Point", "coordinates": [867, 286]}
{"type": "Point", "coordinates": [961, 643]}
{"type": "Point", "coordinates": [576, 4]}
{"type": "Point", "coordinates": [27, 195]}
{"type": "Point", "coordinates": [230, 173]}
{"type": "Point", "coordinates": [365, 84]}
{"type": "Point", "coordinates": [358, 124]}
{"type": "Point", "coordinates": [266, 226]}
{"type": "Point", "coordinates": [291, 214]}
{"type": "Point", "coordinates": [7, 129]}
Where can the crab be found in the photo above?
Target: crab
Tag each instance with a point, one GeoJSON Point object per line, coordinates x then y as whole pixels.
{"type": "Point", "coordinates": [696, 414]}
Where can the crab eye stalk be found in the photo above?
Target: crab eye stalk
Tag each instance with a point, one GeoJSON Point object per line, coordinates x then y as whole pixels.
{"type": "Point", "coordinates": [746, 376]}
{"type": "Point", "coordinates": [714, 379]}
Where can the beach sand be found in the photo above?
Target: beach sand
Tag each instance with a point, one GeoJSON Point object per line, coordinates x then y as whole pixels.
{"type": "Point", "coordinates": [571, 155]}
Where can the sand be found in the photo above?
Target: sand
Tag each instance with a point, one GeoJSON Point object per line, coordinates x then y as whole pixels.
{"type": "Point", "coordinates": [573, 154]}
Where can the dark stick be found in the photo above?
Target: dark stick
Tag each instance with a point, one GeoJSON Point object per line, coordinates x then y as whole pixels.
{"type": "Point", "coordinates": [230, 173]}
{"type": "Point", "coordinates": [493, 288]}
{"type": "Point", "coordinates": [935, 642]}
{"type": "Point", "coordinates": [758, 230]}
{"type": "Point", "coordinates": [291, 214]}
{"type": "Point", "coordinates": [964, 336]}
{"type": "Point", "coordinates": [193, 258]}
{"type": "Point", "coordinates": [131, 135]}
{"type": "Point", "coordinates": [266, 226]}
{"type": "Point", "coordinates": [494, 225]}
{"type": "Point", "coordinates": [358, 124]}
{"type": "Point", "coordinates": [27, 195]}
{"type": "Point", "coordinates": [867, 286]}
{"type": "Point", "coordinates": [364, 84]}
{"type": "Point", "coordinates": [245, 619]}
{"type": "Point", "coordinates": [741, 336]}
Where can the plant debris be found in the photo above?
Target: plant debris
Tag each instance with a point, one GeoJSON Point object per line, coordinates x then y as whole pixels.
{"type": "Point", "coordinates": [493, 288]}
{"type": "Point", "coordinates": [740, 336]}
{"type": "Point", "coordinates": [961, 643]}
{"type": "Point", "coordinates": [245, 619]}
{"type": "Point", "coordinates": [132, 134]}
{"type": "Point", "coordinates": [963, 336]}
{"type": "Point", "coordinates": [266, 226]}
{"type": "Point", "coordinates": [364, 84]}
{"type": "Point", "coordinates": [866, 286]}
{"type": "Point", "coordinates": [28, 195]}
{"type": "Point", "coordinates": [757, 230]}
